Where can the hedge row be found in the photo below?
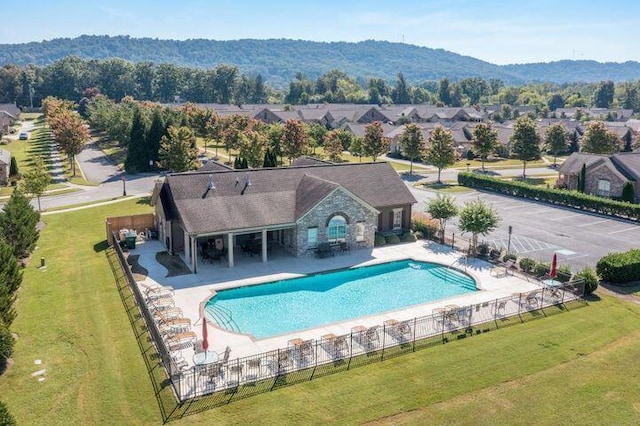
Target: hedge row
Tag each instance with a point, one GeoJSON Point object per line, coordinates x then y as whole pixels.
{"type": "Point", "coordinates": [561, 197]}
{"type": "Point", "coordinates": [620, 267]}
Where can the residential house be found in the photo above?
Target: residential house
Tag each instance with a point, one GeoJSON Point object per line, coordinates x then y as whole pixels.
{"type": "Point", "coordinates": [295, 208]}
{"type": "Point", "coordinates": [605, 175]}
{"type": "Point", "coordinates": [5, 164]}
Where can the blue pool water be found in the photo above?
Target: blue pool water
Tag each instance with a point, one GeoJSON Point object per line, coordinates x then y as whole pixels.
{"type": "Point", "coordinates": [284, 306]}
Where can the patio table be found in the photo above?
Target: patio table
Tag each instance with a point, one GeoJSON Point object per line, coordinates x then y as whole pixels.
{"type": "Point", "coordinates": [203, 358]}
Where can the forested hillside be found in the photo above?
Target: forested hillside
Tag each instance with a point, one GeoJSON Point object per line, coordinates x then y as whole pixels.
{"type": "Point", "coordinates": [278, 61]}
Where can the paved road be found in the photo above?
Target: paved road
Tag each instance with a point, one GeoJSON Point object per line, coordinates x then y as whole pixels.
{"type": "Point", "coordinates": [540, 230]}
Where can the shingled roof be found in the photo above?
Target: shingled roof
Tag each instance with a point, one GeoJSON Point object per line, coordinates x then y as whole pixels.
{"type": "Point", "coordinates": [249, 199]}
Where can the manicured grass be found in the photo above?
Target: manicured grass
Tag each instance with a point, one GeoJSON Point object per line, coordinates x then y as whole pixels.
{"type": "Point", "coordinates": [543, 181]}
{"type": "Point", "coordinates": [112, 148]}
{"type": "Point", "coordinates": [446, 187]}
{"type": "Point", "coordinates": [574, 367]}
{"type": "Point", "coordinates": [30, 116]}
{"type": "Point", "coordinates": [497, 163]}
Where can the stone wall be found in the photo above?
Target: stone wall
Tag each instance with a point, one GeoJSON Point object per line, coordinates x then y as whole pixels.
{"type": "Point", "coordinates": [340, 202]}
{"type": "Point", "coordinates": [603, 172]}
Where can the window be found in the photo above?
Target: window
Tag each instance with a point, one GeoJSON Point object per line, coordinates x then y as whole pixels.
{"type": "Point", "coordinates": [337, 229]}
{"type": "Point", "coordinates": [359, 231]}
{"type": "Point", "coordinates": [604, 188]}
{"type": "Point", "coordinates": [312, 237]}
{"type": "Point", "coordinates": [397, 218]}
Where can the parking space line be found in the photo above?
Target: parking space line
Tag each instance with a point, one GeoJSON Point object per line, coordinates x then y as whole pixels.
{"type": "Point", "coordinates": [565, 217]}
{"type": "Point", "coordinates": [592, 223]}
{"type": "Point", "coordinates": [511, 208]}
{"type": "Point", "coordinates": [635, 228]}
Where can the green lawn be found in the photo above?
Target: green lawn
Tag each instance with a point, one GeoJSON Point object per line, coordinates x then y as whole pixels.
{"type": "Point", "coordinates": [574, 367]}
{"type": "Point", "coordinates": [446, 187]}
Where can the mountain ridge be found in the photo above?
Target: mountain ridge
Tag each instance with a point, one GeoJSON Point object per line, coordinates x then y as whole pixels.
{"type": "Point", "coordinates": [279, 60]}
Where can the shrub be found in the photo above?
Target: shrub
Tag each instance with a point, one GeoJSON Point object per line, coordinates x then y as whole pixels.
{"type": "Point", "coordinates": [527, 264]}
{"type": "Point", "coordinates": [6, 345]}
{"type": "Point", "coordinates": [408, 237]}
{"type": "Point", "coordinates": [495, 254]}
{"type": "Point", "coordinates": [421, 222]}
{"type": "Point", "coordinates": [541, 269]}
{"type": "Point", "coordinates": [483, 249]}
{"type": "Point", "coordinates": [392, 239]}
{"type": "Point", "coordinates": [552, 195]}
{"type": "Point", "coordinates": [6, 419]}
{"type": "Point", "coordinates": [379, 240]}
{"type": "Point", "coordinates": [590, 279]}
{"type": "Point", "coordinates": [563, 273]}
{"type": "Point", "coordinates": [470, 155]}
{"type": "Point", "coordinates": [510, 256]}
{"type": "Point", "coordinates": [619, 267]}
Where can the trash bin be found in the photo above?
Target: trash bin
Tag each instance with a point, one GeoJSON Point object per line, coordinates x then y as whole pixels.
{"type": "Point", "coordinates": [131, 242]}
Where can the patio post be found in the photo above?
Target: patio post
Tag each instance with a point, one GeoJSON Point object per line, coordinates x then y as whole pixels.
{"type": "Point", "coordinates": [231, 247]}
{"type": "Point", "coordinates": [264, 246]}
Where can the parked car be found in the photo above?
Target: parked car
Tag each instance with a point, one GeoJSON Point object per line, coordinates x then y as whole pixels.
{"type": "Point", "coordinates": [23, 136]}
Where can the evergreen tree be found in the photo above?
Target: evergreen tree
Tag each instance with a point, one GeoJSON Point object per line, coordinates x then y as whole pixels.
{"type": "Point", "coordinates": [440, 151]}
{"type": "Point", "coordinates": [6, 349]}
{"type": "Point", "coordinates": [400, 93]}
{"type": "Point", "coordinates": [443, 92]}
{"type": "Point", "coordinates": [628, 193]}
{"type": "Point", "coordinates": [573, 142]}
{"type": "Point", "coordinates": [6, 419]}
{"type": "Point", "coordinates": [13, 167]}
{"type": "Point", "coordinates": [627, 139]}
{"type": "Point", "coordinates": [412, 143]}
{"type": "Point", "coordinates": [10, 280]}
{"type": "Point", "coordinates": [18, 221]}
{"type": "Point", "coordinates": [582, 179]}
{"type": "Point", "coordinates": [157, 130]}
{"type": "Point", "coordinates": [137, 152]}
{"type": "Point", "coordinates": [525, 142]}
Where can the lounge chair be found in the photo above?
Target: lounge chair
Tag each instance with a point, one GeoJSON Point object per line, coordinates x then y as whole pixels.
{"type": "Point", "coordinates": [180, 339]}
{"type": "Point", "coordinates": [371, 336]}
{"type": "Point", "coordinates": [344, 248]}
{"type": "Point", "coordinates": [176, 325]}
{"type": "Point", "coordinates": [167, 314]}
{"type": "Point", "coordinates": [506, 269]}
{"type": "Point", "coordinates": [404, 330]}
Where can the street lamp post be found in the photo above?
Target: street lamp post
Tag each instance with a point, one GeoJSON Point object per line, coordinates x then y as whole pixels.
{"type": "Point", "coordinates": [124, 185]}
{"type": "Point", "coordinates": [509, 241]}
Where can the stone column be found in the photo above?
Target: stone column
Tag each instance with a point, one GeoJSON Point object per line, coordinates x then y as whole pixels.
{"type": "Point", "coordinates": [264, 246]}
{"type": "Point", "coordinates": [230, 249]}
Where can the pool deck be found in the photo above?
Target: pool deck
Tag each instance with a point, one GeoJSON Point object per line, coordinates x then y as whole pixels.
{"type": "Point", "coordinates": [192, 291]}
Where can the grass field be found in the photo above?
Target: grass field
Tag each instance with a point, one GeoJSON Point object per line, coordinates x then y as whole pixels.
{"type": "Point", "coordinates": [575, 367]}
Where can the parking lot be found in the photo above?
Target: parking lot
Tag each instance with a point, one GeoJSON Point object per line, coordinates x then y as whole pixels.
{"type": "Point", "coordinates": [540, 230]}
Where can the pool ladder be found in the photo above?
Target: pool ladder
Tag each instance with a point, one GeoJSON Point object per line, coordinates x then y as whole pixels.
{"type": "Point", "coordinates": [223, 317]}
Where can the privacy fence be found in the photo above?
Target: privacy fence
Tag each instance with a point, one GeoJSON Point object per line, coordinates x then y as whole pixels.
{"type": "Point", "coordinates": [198, 388]}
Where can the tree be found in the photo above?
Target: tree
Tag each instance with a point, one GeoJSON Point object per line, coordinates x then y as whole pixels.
{"type": "Point", "coordinates": [317, 133]}
{"type": "Point", "coordinates": [582, 179]}
{"type": "Point", "coordinates": [525, 142]}
{"type": "Point", "coordinates": [442, 208]}
{"type": "Point", "coordinates": [573, 142]}
{"type": "Point", "coordinates": [485, 141]}
{"type": "Point", "coordinates": [270, 159]}
{"type": "Point", "coordinates": [137, 152]}
{"type": "Point", "coordinates": [400, 93]}
{"type": "Point", "coordinates": [412, 143]}
{"type": "Point", "coordinates": [556, 140]}
{"type": "Point", "coordinates": [333, 146]}
{"type": "Point", "coordinates": [374, 143]}
{"type": "Point", "coordinates": [178, 151]}
{"type": "Point", "coordinates": [443, 92]}
{"type": "Point", "coordinates": [294, 139]}
{"type": "Point", "coordinates": [10, 280]}
{"type": "Point", "coordinates": [157, 130]}
{"type": "Point", "coordinates": [628, 142]}
{"type": "Point", "coordinates": [555, 101]}
{"type": "Point", "coordinates": [356, 148]}
{"type": "Point", "coordinates": [13, 167]}
{"type": "Point", "coordinates": [37, 179]}
{"type": "Point", "coordinates": [479, 219]}
{"type": "Point", "coordinates": [628, 193]}
{"type": "Point", "coordinates": [6, 419]}
{"type": "Point", "coordinates": [252, 148]}
{"type": "Point", "coordinates": [18, 221]}
{"type": "Point", "coordinates": [598, 140]}
{"type": "Point", "coordinates": [603, 95]}
{"type": "Point", "coordinates": [440, 150]}
{"type": "Point", "coordinates": [71, 133]}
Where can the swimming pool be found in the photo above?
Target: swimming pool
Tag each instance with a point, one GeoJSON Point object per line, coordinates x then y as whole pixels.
{"type": "Point", "coordinates": [285, 306]}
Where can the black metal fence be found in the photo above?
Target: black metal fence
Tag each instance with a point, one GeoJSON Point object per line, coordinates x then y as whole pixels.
{"type": "Point", "coordinates": [199, 388]}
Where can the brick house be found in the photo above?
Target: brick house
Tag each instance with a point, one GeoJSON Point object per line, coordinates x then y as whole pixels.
{"type": "Point", "coordinates": [295, 208]}
{"type": "Point", "coordinates": [605, 175]}
{"type": "Point", "coordinates": [5, 163]}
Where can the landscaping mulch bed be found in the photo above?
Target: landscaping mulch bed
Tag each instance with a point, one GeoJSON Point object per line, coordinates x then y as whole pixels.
{"type": "Point", "coordinates": [173, 263]}
{"type": "Point", "coordinates": [139, 273]}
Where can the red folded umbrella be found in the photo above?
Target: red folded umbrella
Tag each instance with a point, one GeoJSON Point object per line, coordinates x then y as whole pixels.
{"type": "Point", "coordinates": [205, 341]}
{"type": "Point", "coordinates": [552, 272]}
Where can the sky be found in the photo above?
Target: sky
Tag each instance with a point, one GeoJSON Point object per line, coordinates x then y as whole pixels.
{"type": "Point", "coordinates": [500, 32]}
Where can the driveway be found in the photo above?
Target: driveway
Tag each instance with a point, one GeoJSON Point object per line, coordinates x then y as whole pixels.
{"type": "Point", "coordinates": [540, 230]}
